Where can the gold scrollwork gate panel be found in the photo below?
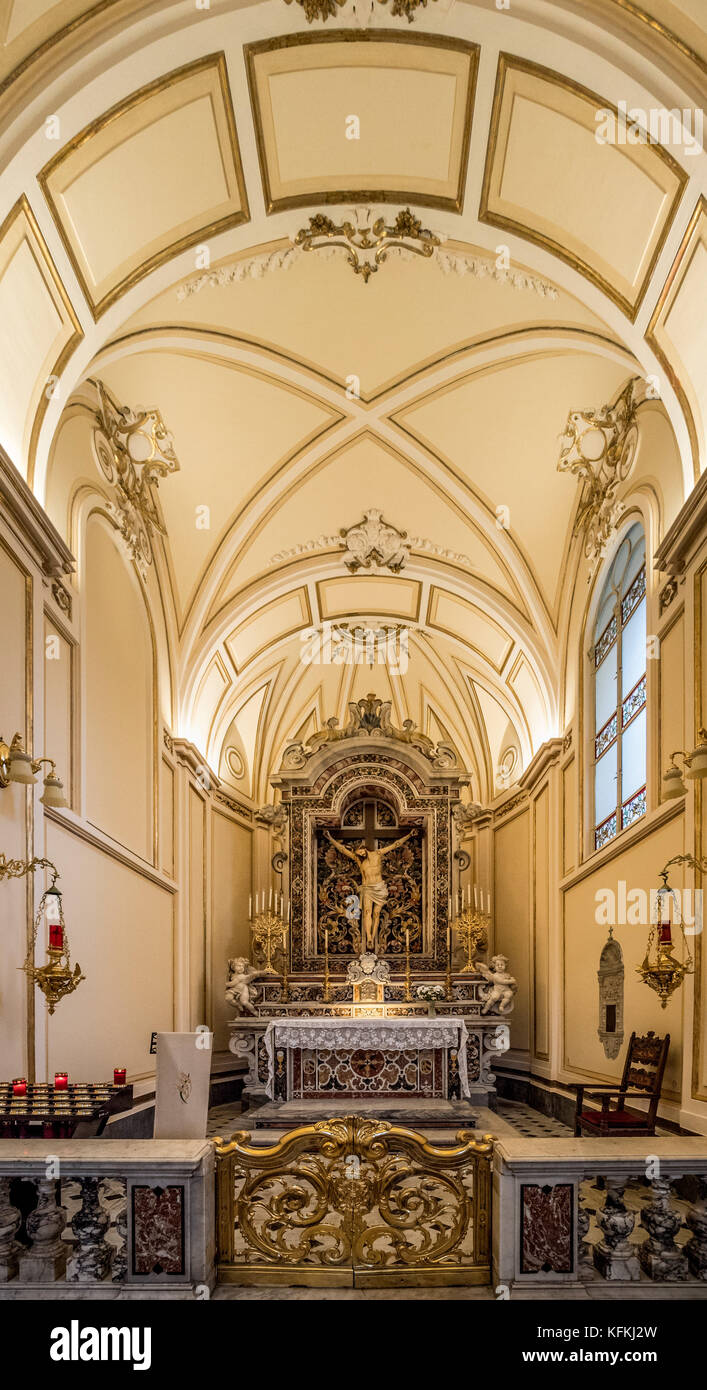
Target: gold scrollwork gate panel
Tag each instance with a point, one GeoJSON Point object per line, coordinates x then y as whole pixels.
{"type": "Point", "coordinates": [354, 1201]}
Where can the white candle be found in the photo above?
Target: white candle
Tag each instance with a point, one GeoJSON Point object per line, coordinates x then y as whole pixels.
{"type": "Point", "coordinates": [450, 904]}
{"type": "Point", "coordinates": [475, 898]}
{"type": "Point", "coordinates": [270, 899]}
{"type": "Point", "coordinates": [288, 909]}
{"type": "Point", "coordinates": [250, 906]}
{"type": "Point", "coordinates": [468, 895]}
{"type": "Point", "coordinates": [407, 941]}
{"type": "Point", "coordinates": [449, 938]}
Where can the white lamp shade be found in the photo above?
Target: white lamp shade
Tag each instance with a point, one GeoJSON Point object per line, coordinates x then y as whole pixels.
{"type": "Point", "coordinates": [53, 792]}
{"type": "Point", "coordinates": [21, 767]}
{"type": "Point", "coordinates": [673, 784]}
{"type": "Point", "coordinates": [698, 762]}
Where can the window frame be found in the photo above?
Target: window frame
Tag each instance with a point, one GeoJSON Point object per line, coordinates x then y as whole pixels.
{"type": "Point", "coordinates": [620, 618]}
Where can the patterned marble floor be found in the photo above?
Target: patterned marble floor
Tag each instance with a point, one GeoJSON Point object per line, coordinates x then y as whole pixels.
{"type": "Point", "coordinates": [531, 1124]}
{"type": "Point", "coordinates": [511, 1117]}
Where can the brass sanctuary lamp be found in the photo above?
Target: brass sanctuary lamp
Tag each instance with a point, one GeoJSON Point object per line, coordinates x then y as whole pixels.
{"type": "Point", "coordinates": [660, 970]}
{"type": "Point", "coordinates": [56, 979]}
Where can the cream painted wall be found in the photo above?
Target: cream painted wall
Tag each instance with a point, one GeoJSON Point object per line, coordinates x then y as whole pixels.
{"type": "Point", "coordinates": [230, 887]}
{"type": "Point", "coordinates": [13, 801]}
{"type": "Point", "coordinates": [638, 867]}
{"type": "Point", "coordinates": [121, 933]}
{"type": "Point", "coordinates": [197, 908]}
{"type": "Point", "coordinates": [512, 899]}
{"type": "Point", "coordinates": [118, 695]}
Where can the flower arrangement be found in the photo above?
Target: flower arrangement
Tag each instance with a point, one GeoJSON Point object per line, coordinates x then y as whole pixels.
{"type": "Point", "coordinates": [430, 993]}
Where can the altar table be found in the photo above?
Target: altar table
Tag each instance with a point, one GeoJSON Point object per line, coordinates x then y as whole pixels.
{"type": "Point", "coordinates": [318, 1058]}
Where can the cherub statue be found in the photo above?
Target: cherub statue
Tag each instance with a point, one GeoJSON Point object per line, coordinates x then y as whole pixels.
{"type": "Point", "coordinates": [240, 975]}
{"type": "Point", "coordinates": [498, 994]}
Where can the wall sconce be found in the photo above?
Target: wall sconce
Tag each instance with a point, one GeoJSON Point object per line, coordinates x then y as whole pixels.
{"type": "Point", "coordinates": [696, 766]}
{"type": "Point", "coordinates": [17, 765]}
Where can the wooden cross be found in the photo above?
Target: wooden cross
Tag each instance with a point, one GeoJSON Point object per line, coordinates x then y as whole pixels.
{"type": "Point", "coordinates": [371, 836]}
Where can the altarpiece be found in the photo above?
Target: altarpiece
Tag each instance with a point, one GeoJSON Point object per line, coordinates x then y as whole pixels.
{"type": "Point", "coordinates": [375, 793]}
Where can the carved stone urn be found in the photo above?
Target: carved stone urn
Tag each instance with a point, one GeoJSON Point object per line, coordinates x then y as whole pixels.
{"type": "Point", "coordinates": [659, 1255]}
{"type": "Point", "coordinates": [614, 1256]}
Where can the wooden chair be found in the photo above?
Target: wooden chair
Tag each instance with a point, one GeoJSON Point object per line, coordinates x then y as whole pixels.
{"type": "Point", "coordinates": [643, 1070]}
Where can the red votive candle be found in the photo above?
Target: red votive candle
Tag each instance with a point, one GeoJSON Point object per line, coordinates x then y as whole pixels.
{"type": "Point", "coordinates": [119, 1074]}
{"type": "Point", "coordinates": [19, 1087]}
{"type": "Point", "coordinates": [666, 934]}
{"type": "Point", "coordinates": [61, 1080]}
{"type": "Point", "coordinates": [56, 936]}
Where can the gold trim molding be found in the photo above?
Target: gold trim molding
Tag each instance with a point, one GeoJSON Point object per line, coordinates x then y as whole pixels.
{"type": "Point", "coordinates": [252, 52]}
{"type": "Point", "coordinates": [215, 62]}
{"type": "Point", "coordinates": [509, 63]}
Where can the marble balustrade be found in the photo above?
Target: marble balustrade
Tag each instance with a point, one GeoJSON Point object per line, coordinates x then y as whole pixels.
{"type": "Point", "coordinates": [569, 1214]}
{"type": "Point", "coordinates": [82, 1218]}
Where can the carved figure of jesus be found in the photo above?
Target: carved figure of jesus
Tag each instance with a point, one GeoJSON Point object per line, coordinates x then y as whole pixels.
{"type": "Point", "coordinates": [373, 887]}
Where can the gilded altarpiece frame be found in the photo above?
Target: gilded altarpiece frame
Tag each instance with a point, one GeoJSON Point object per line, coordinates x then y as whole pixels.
{"type": "Point", "coordinates": [321, 803]}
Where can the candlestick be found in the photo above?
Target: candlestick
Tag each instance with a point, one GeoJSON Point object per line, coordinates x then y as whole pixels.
{"type": "Point", "coordinates": [327, 992]}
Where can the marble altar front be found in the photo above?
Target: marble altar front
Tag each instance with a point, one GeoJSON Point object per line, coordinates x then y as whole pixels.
{"type": "Point", "coordinates": [425, 1073]}
{"type": "Point", "coordinates": [322, 1058]}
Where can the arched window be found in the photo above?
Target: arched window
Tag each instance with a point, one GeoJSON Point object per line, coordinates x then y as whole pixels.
{"type": "Point", "coordinates": [619, 677]}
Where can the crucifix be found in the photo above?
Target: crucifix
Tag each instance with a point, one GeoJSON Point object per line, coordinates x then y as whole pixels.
{"type": "Point", "coordinates": [368, 858]}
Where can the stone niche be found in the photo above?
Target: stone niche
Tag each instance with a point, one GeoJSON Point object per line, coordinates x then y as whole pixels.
{"type": "Point", "coordinates": [611, 998]}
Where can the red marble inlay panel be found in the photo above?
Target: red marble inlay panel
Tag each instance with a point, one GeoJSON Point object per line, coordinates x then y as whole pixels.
{"type": "Point", "coordinates": [546, 1229]}
{"type": "Point", "coordinates": [158, 1230]}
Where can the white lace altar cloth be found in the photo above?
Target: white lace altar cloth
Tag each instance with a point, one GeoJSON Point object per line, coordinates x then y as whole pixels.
{"type": "Point", "coordinates": [386, 1033]}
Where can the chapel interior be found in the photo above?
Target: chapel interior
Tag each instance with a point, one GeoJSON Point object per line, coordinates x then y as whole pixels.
{"type": "Point", "coordinates": [353, 689]}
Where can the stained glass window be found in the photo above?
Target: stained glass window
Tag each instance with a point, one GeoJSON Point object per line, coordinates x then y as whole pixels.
{"type": "Point", "coordinates": [619, 660]}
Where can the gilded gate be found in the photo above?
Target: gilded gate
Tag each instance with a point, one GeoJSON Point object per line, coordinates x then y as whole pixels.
{"type": "Point", "coordinates": [354, 1201]}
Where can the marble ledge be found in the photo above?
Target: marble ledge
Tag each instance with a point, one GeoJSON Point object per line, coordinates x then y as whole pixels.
{"type": "Point", "coordinates": [96, 1156]}
{"type": "Point", "coordinates": [599, 1155]}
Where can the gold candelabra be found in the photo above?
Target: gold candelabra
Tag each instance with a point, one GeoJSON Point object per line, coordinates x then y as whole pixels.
{"type": "Point", "coordinates": [448, 971]}
{"type": "Point", "coordinates": [269, 932]}
{"type": "Point", "coordinates": [471, 927]}
{"type": "Point", "coordinates": [408, 982]}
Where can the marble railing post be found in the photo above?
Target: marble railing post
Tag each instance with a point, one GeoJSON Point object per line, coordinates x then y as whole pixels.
{"type": "Point", "coordinates": [659, 1256]}
{"type": "Point", "coordinates": [696, 1219]}
{"type": "Point", "coordinates": [120, 1257]}
{"type": "Point", "coordinates": [584, 1249]}
{"type": "Point", "coordinates": [45, 1261]}
{"type": "Point", "coordinates": [92, 1257]}
{"type": "Point", "coordinates": [614, 1256]}
{"type": "Point", "coordinates": [10, 1222]}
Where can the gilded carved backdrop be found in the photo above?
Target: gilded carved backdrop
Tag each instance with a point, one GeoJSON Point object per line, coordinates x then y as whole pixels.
{"type": "Point", "coordinates": [369, 821]}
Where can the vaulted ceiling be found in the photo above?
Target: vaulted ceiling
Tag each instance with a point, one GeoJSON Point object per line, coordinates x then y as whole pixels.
{"type": "Point", "coordinates": [158, 161]}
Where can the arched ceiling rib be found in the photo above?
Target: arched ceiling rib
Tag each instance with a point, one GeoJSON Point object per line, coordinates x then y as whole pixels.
{"type": "Point", "coordinates": [463, 383]}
